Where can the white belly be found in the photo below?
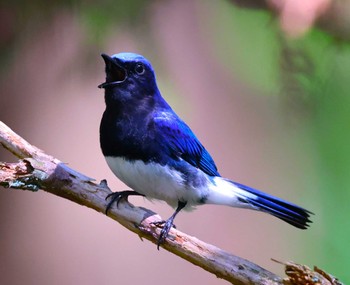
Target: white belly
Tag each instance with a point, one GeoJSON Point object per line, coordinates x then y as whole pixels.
{"type": "Point", "coordinates": [155, 181]}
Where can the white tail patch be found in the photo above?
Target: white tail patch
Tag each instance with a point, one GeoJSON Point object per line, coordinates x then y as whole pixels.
{"type": "Point", "coordinates": [224, 192]}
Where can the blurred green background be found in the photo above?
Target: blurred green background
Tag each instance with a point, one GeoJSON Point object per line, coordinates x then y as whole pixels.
{"type": "Point", "coordinates": [273, 112]}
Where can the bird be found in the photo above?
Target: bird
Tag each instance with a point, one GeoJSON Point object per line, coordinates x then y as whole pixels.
{"type": "Point", "coordinates": [155, 153]}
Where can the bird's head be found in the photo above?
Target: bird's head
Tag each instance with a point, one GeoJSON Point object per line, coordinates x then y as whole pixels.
{"type": "Point", "coordinates": [128, 76]}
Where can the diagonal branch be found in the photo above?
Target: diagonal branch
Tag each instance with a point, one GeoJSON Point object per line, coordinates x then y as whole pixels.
{"type": "Point", "coordinates": [39, 171]}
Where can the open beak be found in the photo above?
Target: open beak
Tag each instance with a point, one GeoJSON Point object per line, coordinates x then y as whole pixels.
{"type": "Point", "coordinates": [115, 72]}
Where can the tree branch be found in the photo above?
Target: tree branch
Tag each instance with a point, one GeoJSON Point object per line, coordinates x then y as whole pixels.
{"type": "Point", "coordinates": [37, 170]}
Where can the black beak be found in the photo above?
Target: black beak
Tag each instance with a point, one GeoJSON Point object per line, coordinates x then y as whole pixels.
{"type": "Point", "coordinates": [115, 72]}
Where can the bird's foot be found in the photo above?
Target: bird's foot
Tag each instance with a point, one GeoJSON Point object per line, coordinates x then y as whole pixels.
{"type": "Point", "coordinates": [161, 224]}
{"type": "Point", "coordinates": [118, 196]}
{"type": "Point", "coordinates": [166, 226]}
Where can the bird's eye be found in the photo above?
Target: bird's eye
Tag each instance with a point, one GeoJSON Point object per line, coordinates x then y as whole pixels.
{"type": "Point", "coordinates": [139, 68]}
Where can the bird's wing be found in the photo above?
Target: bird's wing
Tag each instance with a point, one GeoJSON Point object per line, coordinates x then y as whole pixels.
{"type": "Point", "coordinates": [182, 143]}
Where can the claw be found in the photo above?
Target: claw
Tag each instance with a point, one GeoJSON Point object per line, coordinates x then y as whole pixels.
{"type": "Point", "coordinates": [164, 232]}
{"type": "Point", "coordinates": [118, 196]}
{"type": "Point", "coordinates": [168, 224]}
{"type": "Point", "coordinates": [161, 223]}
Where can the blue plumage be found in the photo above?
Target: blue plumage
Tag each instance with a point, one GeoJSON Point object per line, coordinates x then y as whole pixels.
{"type": "Point", "coordinates": [182, 143]}
{"type": "Point", "coordinates": [155, 153]}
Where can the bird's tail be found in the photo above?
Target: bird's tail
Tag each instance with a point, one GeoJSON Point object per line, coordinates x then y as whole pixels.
{"type": "Point", "coordinates": [288, 212]}
{"type": "Point", "coordinates": [247, 197]}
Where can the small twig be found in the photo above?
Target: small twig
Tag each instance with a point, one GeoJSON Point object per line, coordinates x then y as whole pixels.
{"type": "Point", "coordinates": [303, 275]}
{"type": "Point", "coordinates": [37, 170]}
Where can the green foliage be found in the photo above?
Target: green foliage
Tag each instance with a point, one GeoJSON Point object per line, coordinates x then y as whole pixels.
{"type": "Point", "coordinates": [331, 131]}
{"type": "Point", "coordinates": [252, 35]}
{"type": "Point", "coordinates": [99, 18]}
{"type": "Point", "coordinates": [328, 88]}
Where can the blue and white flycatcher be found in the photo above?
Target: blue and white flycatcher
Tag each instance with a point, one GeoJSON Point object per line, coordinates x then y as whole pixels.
{"type": "Point", "coordinates": [155, 153]}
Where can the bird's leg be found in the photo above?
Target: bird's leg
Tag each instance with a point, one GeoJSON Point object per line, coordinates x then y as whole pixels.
{"type": "Point", "coordinates": [168, 224]}
{"type": "Point", "coordinates": [117, 196]}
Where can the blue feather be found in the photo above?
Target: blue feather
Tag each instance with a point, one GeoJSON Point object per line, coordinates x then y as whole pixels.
{"type": "Point", "coordinates": [182, 143]}
{"type": "Point", "coordinates": [288, 212]}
